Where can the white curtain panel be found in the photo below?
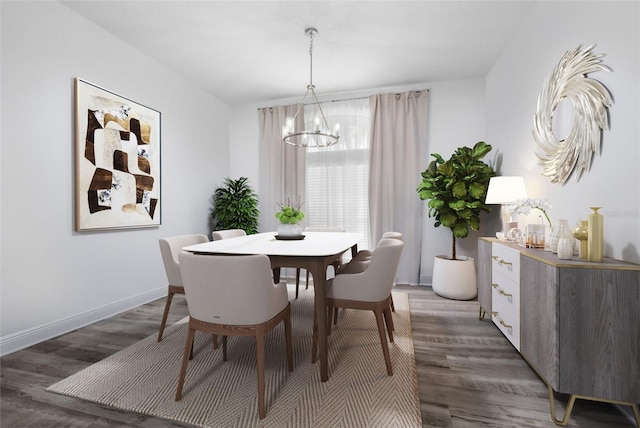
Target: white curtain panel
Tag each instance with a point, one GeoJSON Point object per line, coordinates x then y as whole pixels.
{"type": "Point", "coordinates": [398, 156]}
{"type": "Point", "coordinates": [281, 165]}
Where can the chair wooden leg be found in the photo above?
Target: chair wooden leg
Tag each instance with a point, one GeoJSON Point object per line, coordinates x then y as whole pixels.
{"type": "Point", "coordinates": [393, 308]}
{"type": "Point", "coordinates": [335, 316]}
{"type": "Point", "coordinates": [224, 348]}
{"type": "Point", "coordinates": [329, 318]}
{"type": "Point", "coordinates": [185, 362]}
{"type": "Point", "coordinates": [388, 320]}
{"type": "Point", "coordinates": [215, 341]}
{"type": "Point", "coordinates": [260, 368]}
{"type": "Point", "coordinates": [383, 340]}
{"type": "Point", "coordinates": [287, 337]}
{"type": "Point", "coordinates": [165, 315]}
{"type": "Point", "coordinates": [297, 280]}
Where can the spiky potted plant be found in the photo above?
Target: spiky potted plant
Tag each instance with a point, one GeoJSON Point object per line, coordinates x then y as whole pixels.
{"type": "Point", "coordinates": [235, 206]}
{"type": "Point", "coordinates": [456, 191]}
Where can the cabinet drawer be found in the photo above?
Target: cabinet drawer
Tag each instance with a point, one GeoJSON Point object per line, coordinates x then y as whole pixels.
{"type": "Point", "coordinates": [506, 306]}
{"type": "Point", "coordinates": [507, 321]}
{"type": "Point", "coordinates": [506, 261]}
{"type": "Point", "coordinates": [503, 288]}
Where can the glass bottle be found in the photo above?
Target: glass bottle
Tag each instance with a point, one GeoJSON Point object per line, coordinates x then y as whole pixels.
{"type": "Point", "coordinates": [562, 230]}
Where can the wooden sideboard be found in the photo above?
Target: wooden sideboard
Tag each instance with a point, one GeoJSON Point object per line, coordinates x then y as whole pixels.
{"type": "Point", "coordinates": [579, 321]}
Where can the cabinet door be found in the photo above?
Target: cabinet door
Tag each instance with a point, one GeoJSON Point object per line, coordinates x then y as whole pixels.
{"type": "Point", "coordinates": [539, 338]}
{"type": "Point", "coordinates": [599, 331]}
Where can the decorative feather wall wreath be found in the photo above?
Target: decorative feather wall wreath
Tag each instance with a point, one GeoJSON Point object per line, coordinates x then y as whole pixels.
{"type": "Point", "coordinates": [572, 155]}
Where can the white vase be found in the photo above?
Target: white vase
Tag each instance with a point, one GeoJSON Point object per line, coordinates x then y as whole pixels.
{"type": "Point", "coordinates": [289, 229]}
{"type": "Point", "coordinates": [565, 248]}
{"type": "Point", "coordinates": [562, 230]}
{"type": "Point", "coordinates": [454, 279]}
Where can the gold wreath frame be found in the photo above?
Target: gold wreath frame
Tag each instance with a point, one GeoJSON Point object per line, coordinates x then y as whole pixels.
{"type": "Point", "coordinates": [590, 99]}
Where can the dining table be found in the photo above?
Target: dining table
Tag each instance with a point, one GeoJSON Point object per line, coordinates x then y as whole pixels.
{"type": "Point", "coordinates": [313, 251]}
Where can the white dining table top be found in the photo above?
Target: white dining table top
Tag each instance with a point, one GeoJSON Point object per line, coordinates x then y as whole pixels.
{"type": "Point", "coordinates": [314, 244]}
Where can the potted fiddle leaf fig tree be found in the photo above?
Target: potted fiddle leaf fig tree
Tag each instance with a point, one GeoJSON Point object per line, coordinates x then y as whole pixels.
{"type": "Point", "coordinates": [456, 191]}
{"type": "Point", "coordinates": [235, 206]}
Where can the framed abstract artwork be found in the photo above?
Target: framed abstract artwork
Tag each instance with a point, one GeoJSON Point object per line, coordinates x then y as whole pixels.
{"type": "Point", "coordinates": [117, 157]}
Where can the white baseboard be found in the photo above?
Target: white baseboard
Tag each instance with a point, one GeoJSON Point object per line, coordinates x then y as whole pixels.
{"type": "Point", "coordinates": [426, 280]}
{"type": "Point", "coordinates": [25, 338]}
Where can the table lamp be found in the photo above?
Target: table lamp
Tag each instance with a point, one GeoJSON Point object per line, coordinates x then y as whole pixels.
{"type": "Point", "coordinates": [505, 191]}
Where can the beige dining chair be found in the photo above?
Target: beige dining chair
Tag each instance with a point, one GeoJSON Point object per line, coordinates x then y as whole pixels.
{"type": "Point", "coordinates": [364, 255]}
{"type": "Point", "coordinates": [227, 233]}
{"type": "Point", "coordinates": [336, 263]}
{"type": "Point", "coordinates": [232, 295]}
{"type": "Point", "coordinates": [170, 249]}
{"type": "Point", "coordinates": [367, 290]}
{"type": "Point", "coordinates": [361, 260]}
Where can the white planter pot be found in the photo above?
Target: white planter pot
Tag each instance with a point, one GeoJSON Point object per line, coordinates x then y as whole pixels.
{"type": "Point", "coordinates": [455, 279]}
{"type": "Point", "coordinates": [289, 229]}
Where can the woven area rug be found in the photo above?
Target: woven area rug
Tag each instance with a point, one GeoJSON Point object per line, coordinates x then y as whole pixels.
{"type": "Point", "coordinates": [143, 377]}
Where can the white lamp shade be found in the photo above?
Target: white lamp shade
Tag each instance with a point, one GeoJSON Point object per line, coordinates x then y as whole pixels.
{"type": "Point", "coordinates": [505, 190]}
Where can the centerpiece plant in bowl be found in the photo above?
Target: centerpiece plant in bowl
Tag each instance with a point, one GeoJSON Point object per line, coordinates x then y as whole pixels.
{"type": "Point", "coordinates": [290, 215]}
{"type": "Point", "coordinates": [456, 190]}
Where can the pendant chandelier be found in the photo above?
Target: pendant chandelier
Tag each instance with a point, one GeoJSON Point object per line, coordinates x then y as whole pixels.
{"type": "Point", "coordinates": [319, 135]}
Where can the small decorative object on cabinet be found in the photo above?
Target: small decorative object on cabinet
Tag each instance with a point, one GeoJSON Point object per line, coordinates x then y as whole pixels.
{"type": "Point", "coordinates": [535, 236]}
{"type": "Point", "coordinates": [562, 230]}
{"type": "Point", "coordinates": [596, 235]}
{"type": "Point", "coordinates": [575, 322]}
{"type": "Point", "coordinates": [581, 233]}
{"type": "Point", "coordinates": [565, 248]}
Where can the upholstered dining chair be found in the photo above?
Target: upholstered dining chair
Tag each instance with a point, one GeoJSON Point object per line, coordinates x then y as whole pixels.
{"type": "Point", "coordinates": [170, 249]}
{"type": "Point", "coordinates": [226, 234]}
{"type": "Point", "coordinates": [367, 290]}
{"type": "Point", "coordinates": [336, 263]}
{"type": "Point", "coordinates": [366, 254]}
{"type": "Point", "coordinates": [361, 260]}
{"type": "Point", "coordinates": [234, 296]}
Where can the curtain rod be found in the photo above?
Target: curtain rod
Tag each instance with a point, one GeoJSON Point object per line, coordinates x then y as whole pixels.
{"type": "Point", "coordinates": [354, 98]}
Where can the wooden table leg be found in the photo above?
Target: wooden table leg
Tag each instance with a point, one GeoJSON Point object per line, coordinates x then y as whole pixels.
{"type": "Point", "coordinates": [354, 250]}
{"type": "Point", "coordinates": [319, 272]}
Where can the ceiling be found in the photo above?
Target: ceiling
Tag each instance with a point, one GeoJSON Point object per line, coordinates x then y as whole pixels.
{"type": "Point", "coordinates": [254, 51]}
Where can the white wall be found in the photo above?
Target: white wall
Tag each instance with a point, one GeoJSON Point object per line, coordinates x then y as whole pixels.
{"type": "Point", "coordinates": [456, 118]}
{"type": "Point", "coordinates": [54, 279]}
{"type": "Point", "coordinates": [513, 85]}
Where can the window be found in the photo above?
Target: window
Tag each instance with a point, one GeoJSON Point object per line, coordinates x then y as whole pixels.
{"type": "Point", "coordinates": [337, 177]}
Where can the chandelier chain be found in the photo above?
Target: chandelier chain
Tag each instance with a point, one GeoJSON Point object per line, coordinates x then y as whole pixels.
{"type": "Point", "coordinates": [311, 33]}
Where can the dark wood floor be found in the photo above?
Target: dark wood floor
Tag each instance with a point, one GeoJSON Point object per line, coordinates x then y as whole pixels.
{"type": "Point", "coordinates": [469, 375]}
